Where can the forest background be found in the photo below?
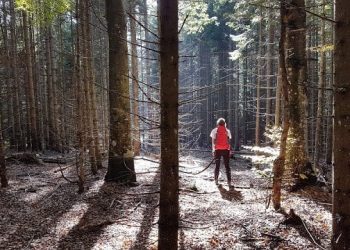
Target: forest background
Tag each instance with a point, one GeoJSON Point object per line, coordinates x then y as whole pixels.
{"type": "Point", "coordinates": [268, 67]}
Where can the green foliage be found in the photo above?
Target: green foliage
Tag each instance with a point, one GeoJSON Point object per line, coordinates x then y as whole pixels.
{"type": "Point", "coordinates": [46, 11]}
{"type": "Point", "coordinates": [197, 17]}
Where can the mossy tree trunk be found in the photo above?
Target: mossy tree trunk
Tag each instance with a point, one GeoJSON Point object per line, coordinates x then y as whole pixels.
{"type": "Point", "coordinates": [295, 59]}
{"type": "Point", "coordinates": [279, 163]}
{"type": "Point", "coordinates": [121, 161]}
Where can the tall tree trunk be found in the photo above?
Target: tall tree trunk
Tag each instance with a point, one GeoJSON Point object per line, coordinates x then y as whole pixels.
{"type": "Point", "coordinates": [296, 65]}
{"type": "Point", "coordinates": [278, 99]}
{"type": "Point", "coordinates": [88, 116]}
{"type": "Point", "coordinates": [3, 176]}
{"type": "Point", "coordinates": [320, 97]}
{"type": "Point", "coordinates": [169, 183]}
{"type": "Point", "coordinates": [279, 163]}
{"type": "Point", "coordinates": [50, 90]}
{"type": "Point", "coordinates": [330, 113]}
{"type": "Point", "coordinates": [245, 94]}
{"type": "Point", "coordinates": [135, 83]}
{"type": "Point", "coordinates": [31, 90]}
{"type": "Point", "coordinates": [17, 131]}
{"type": "Point", "coordinates": [79, 92]}
{"type": "Point", "coordinates": [341, 169]}
{"type": "Point", "coordinates": [92, 87]}
{"type": "Point", "coordinates": [120, 161]}
{"type": "Point", "coordinates": [269, 68]}
{"type": "Point", "coordinates": [258, 84]}
{"type": "Point", "coordinates": [236, 125]}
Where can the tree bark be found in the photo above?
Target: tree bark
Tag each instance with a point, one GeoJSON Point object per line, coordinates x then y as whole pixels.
{"type": "Point", "coordinates": [279, 163]}
{"type": "Point", "coordinates": [258, 84]}
{"type": "Point", "coordinates": [296, 74]}
{"type": "Point", "coordinates": [88, 112]}
{"type": "Point", "coordinates": [3, 176]}
{"type": "Point", "coordinates": [320, 97]}
{"type": "Point", "coordinates": [269, 68]}
{"type": "Point", "coordinates": [135, 83]}
{"type": "Point", "coordinates": [278, 100]}
{"type": "Point", "coordinates": [169, 183]}
{"type": "Point", "coordinates": [51, 140]}
{"type": "Point", "coordinates": [18, 139]}
{"type": "Point", "coordinates": [121, 161]}
{"type": "Point", "coordinates": [92, 92]}
{"type": "Point", "coordinates": [34, 139]}
{"type": "Point", "coordinates": [80, 104]}
{"type": "Point", "coordinates": [341, 147]}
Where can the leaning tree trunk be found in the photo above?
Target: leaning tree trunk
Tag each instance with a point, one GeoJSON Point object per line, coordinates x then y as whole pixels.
{"type": "Point", "coordinates": [121, 161]}
{"type": "Point", "coordinates": [169, 183]}
{"type": "Point", "coordinates": [341, 147]}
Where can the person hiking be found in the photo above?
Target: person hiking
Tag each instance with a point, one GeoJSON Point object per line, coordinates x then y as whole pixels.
{"type": "Point", "coordinates": [221, 137]}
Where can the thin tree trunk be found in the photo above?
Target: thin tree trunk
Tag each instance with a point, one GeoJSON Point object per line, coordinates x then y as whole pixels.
{"type": "Point", "coordinates": [3, 176]}
{"type": "Point", "coordinates": [341, 147]}
{"type": "Point", "coordinates": [19, 142]}
{"type": "Point", "coordinates": [49, 94]}
{"type": "Point", "coordinates": [245, 93]}
{"type": "Point", "coordinates": [320, 97]}
{"type": "Point", "coordinates": [278, 100]}
{"type": "Point", "coordinates": [269, 68]}
{"type": "Point", "coordinates": [31, 90]}
{"type": "Point", "coordinates": [92, 88]}
{"type": "Point", "coordinates": [258, 84]}
{"type": "Point", "coordinates": [80, 105]}
{"type": "Point", "coordinates": [135, 84]}
{"type": "Point", "coordinates": [169, 183]}
{"type": "Point", "coordinates": [88, 116]}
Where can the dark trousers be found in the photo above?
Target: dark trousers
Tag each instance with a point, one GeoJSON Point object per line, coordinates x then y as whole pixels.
{"type": "Point", "coordinates": [226, 155]}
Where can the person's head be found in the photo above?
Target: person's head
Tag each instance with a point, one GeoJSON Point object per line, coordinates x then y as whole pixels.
{"type": "Point", "coordinates": [221, 122]}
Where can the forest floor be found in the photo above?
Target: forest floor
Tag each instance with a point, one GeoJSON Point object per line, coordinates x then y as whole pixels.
{"type": "Point", "coordinates": [42, 210]}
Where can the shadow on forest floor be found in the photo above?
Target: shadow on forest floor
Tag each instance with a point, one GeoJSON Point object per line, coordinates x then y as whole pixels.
{"type": "Point", "coordinates": [231, 194]}
{"type": "Point", "coordinates": [33, 205]}
{"type": "Point", "coordinates": [40, 210]}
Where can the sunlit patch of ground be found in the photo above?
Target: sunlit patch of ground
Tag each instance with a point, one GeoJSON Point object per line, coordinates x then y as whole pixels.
{"type": "Point", "coordinates": [44, 211]}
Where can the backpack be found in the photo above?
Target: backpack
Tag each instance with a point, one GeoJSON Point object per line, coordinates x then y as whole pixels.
{"type": "Point", "coordinates": [221, 138]}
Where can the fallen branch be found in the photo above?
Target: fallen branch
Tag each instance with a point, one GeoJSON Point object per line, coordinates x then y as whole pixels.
{"type": "Point", "coordinates": [272, 236]}
{"type": "Point", "coordinates": [64, 177]}
{"type": "Point", "coordinates": [313, 239]}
